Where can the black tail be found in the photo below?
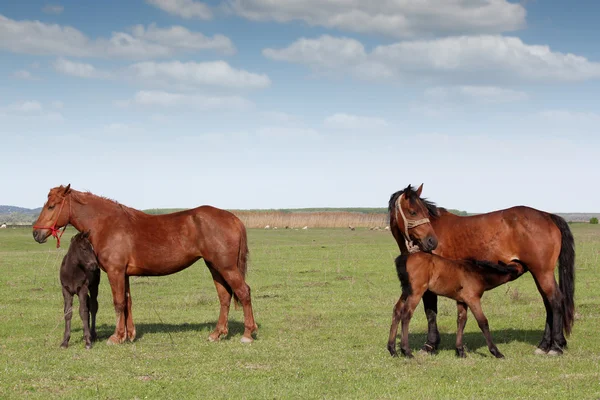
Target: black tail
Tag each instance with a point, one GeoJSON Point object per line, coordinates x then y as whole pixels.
{"type": "Point", "coordinates": [566, 269]}
{"type": "Point", "coordinates": [403, 273]}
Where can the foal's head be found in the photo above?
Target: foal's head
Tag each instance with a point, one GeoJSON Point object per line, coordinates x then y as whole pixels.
{"type": "Point", "coordinates": [54, 214]}
{"type": "Point", "coordinates": [83, 252]}
{"type": "Point", "coordinates": [410, 214]}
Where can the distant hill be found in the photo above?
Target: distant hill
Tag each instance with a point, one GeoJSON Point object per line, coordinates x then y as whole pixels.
{"type": "Point", "coordinates": [13, 215]}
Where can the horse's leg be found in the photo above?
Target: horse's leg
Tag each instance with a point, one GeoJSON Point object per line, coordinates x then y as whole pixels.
{"type": "Point", "coordinates": [475, 306]}
{"type": "Point", "coordinates": [433, 335]}
{"type": "Point", "coordinates": [242, 291]}
{"type": "Point", "coordinates": [406, 313]}
{"type": "Point", "coordinates": [129, 326]}
{"type": "Point", "coordinates": [391, 346]}
{"type": "Point", "coordinates": [93, 306]}
{"type": "Point", "coordinates": [224, 292]}
{"type": "Point", "coordinates": [68, 314]}
{"type": "Point", "coordinates": [84, 313]}
{"type": "Point", "coordinates": [117, 286]}
{"type": "Point", "coordinates": [461, 322]}
{"type": "Point", "coordinates": [554, 340]}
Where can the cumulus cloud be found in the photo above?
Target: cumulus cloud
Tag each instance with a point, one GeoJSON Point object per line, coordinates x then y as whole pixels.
{"type": "Point", "coordinates": [349, 121]}
{"type": "Point", "coordinates": [39, 38]}
{"type": "Point", "coordinates": [213, 73]}
{"type": "Point", "coordinates": [183, 8]}
{"type": "Point", "coordinates": [485, 94]}
{"type": "Point", "coordinates": [30, 109]}
{"type": "Point", "coordinates": [395, 18]}
{"type": "Point", "coordinates": [23, 74]}
{"type": "Point", "coordinates": [80, 70]}
{"type": "Point", "coordinates": [479, 59]}
{"type": "Point", "coordinates": [157, 98]}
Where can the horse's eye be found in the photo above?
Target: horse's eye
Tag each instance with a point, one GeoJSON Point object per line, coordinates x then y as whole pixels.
{"type": "Point", "coordinates": [50, 207]}
{"type": "Point", "coordinates": [412, 213]}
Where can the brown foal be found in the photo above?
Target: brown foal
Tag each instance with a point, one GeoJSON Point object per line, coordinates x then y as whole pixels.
{"type": "Point", "coordinates": [464, 281]}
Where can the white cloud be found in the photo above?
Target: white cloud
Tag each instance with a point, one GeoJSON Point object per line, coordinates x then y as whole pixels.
{"type": "Point", "coordinates": [349, 121]}
{"type": "Point", "coordinates": [53, 9]}
{"type": "Point", "coordinates": [395, 18]}
{"type": "Point", "coordinates": [183, 8]}
{"type": "Point", "coordinates": [485, 94]}
{"type": "Point", "coordinates": [183, 39]}
{"type": "Point", "coordinates": [80, 70]}
{"type": "Point", "coordinates": [212, 73]}
{"type": "Point", "coordinates": [26, 106]}
{"type": "Point", "coordinates": [39, 38]}
{"type": "Point", "coordinates": [57, 104]}
{"type": "Point", "coordinates": [476, 59]}
{"type": "Point", "coordinates": [286, 133]}
{"type": "Point", "coordinates": [573, 118]}
{"type": "Point", "coordinates": [157, 98]}
{"type": "Point", "coordinates": [23, 74]}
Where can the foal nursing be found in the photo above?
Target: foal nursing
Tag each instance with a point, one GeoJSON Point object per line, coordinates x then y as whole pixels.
{"type": "Point", "coordinates": [464, 281]}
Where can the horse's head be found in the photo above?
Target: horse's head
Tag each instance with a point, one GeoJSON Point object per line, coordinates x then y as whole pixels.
{"type": "Point", "coordinates": [54, 214]}
{"type": "Point", "coordinates": [82, 248]}
{"type": "Point", "coordinates": [411, 215]}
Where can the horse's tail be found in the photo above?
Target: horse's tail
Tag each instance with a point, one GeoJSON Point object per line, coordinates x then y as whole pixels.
{"type": "Point", "coordinates": [566, 263]}
{"type": "Point", "coordinates": [242, 262]}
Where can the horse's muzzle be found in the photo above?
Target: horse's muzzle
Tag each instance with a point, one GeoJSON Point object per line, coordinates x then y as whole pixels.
{"type": "Point", "coordinates": [40, 236]}
{"type": "Point", "coordinates": [430, 243]}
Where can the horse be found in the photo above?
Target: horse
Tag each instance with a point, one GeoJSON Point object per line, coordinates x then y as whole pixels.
{"type": "Point", "coordinates": [535, 238]}
{"type": "Point", "coordinates": [129, 242]}
{"type": "Point", "coordinates": [462, 280]}
{"type": "Point", "coordinates": [80, 274]}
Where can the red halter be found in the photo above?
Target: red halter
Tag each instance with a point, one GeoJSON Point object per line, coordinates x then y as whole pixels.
{"type": "Point", "coordinates": [53, 229]}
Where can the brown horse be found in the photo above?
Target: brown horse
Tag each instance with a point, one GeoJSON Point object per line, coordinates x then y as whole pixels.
{"type": "Point", "coordinates": [534, 238]}
{"type": "Point", "coordinates": [129, 242]}
{"type": "Point", "coordinates": [462, 280]}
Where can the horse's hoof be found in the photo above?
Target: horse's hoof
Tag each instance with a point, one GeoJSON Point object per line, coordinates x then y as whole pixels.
{"type": "Point", "coordinates": [540, 352]}
{"type": "Point", "coordinates": [245, 339]}
{"type": "Point", "coordinates": [88, 346]}
{"type": "Point", "coordinates": [554, 353]}
{"type": "Point", "coordinates": [212, 338]}
{"type": "Point", "coordinates": [113, 339]}
{"type": "Point", "coordinates": [64, 345]}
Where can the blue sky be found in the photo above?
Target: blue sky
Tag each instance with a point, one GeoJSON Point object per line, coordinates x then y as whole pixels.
{"type": "Point", "coordinates": [262, 104]}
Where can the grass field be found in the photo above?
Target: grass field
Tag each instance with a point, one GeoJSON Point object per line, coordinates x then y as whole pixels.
{"type": "Point", "coordinates": [323, 300]}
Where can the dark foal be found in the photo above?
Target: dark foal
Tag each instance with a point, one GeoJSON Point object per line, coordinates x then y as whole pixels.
{"type": "Point", "coordinates": [462, 280]}
{"type": "Point", "coordinates": [79, 273]}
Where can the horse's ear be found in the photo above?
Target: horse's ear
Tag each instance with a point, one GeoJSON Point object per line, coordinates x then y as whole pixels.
{"type": "Point", "coordinates": [419, 190]}
{"type": "Point", "coordinates": [86, 234]}
{"type": "Point", "coordinates": [67, 189]}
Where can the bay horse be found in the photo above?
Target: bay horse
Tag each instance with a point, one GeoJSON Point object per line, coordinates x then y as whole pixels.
{"type": "Point", "coordinates": [129, 242]}
{"type": "Point", "coordinates": [535, 238]}
{"type": "Point", "coordinates": [462, 280]}
{"type": "Point", "coordinates": [80, 274]}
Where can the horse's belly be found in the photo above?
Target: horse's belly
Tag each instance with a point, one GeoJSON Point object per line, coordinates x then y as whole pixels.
{"type": "Point", "coordinates": [155, 269]}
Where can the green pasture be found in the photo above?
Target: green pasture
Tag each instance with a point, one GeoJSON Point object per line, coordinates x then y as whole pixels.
{"type": "Point", "coordinates": [323, 300]}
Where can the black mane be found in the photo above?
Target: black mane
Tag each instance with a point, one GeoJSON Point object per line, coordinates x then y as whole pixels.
{"type": "Point", "coordinates": [411, 195]}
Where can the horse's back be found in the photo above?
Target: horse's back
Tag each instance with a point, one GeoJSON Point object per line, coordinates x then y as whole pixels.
{"type": "Point", "coordinates": [520, 232]}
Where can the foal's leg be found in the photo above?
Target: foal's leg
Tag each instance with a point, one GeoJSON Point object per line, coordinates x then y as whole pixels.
{"type": "Point", "coordinates": [130, 327]}
{"type": "Point", "coordinates": [461, 322]}
{"type": "Point", "coordinates": [406, 313]}
{"type": "Point", "coordinates": [433, 335]}
{"type": "Point", "coordinates": [482, 321]}
{"type": "Point", "coordinates": [117, 285]}
{"type": "Point", "coordinates": [224, 292]}
{"type": "Point", "coordinates": [391, 346]}
{"type": "Point", "coordinates": [93, 305]}
{"type": "Point", "coordinates": [68, 314]}
{"type": "Point", "coordinates": [236, 281]}
{"type": "Point", "coordinates": [85, 315]}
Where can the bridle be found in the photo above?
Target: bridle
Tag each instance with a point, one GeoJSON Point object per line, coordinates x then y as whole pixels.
{"type": "Point", "coordinates": [53, 229]}
{"type": "Point", "coordinates": [409, 224]}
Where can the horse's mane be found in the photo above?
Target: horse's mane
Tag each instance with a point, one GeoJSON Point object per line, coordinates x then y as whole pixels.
{"type": "Point", "coordinates": [80, 198]}
{"type": "Point", "coordinates": [411, 195]}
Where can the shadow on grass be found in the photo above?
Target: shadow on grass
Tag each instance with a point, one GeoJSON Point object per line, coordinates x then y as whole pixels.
{"type": "Point", "coordinates": [475, 341]}
{"type": "Point", "coordinates": [236, 328]}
